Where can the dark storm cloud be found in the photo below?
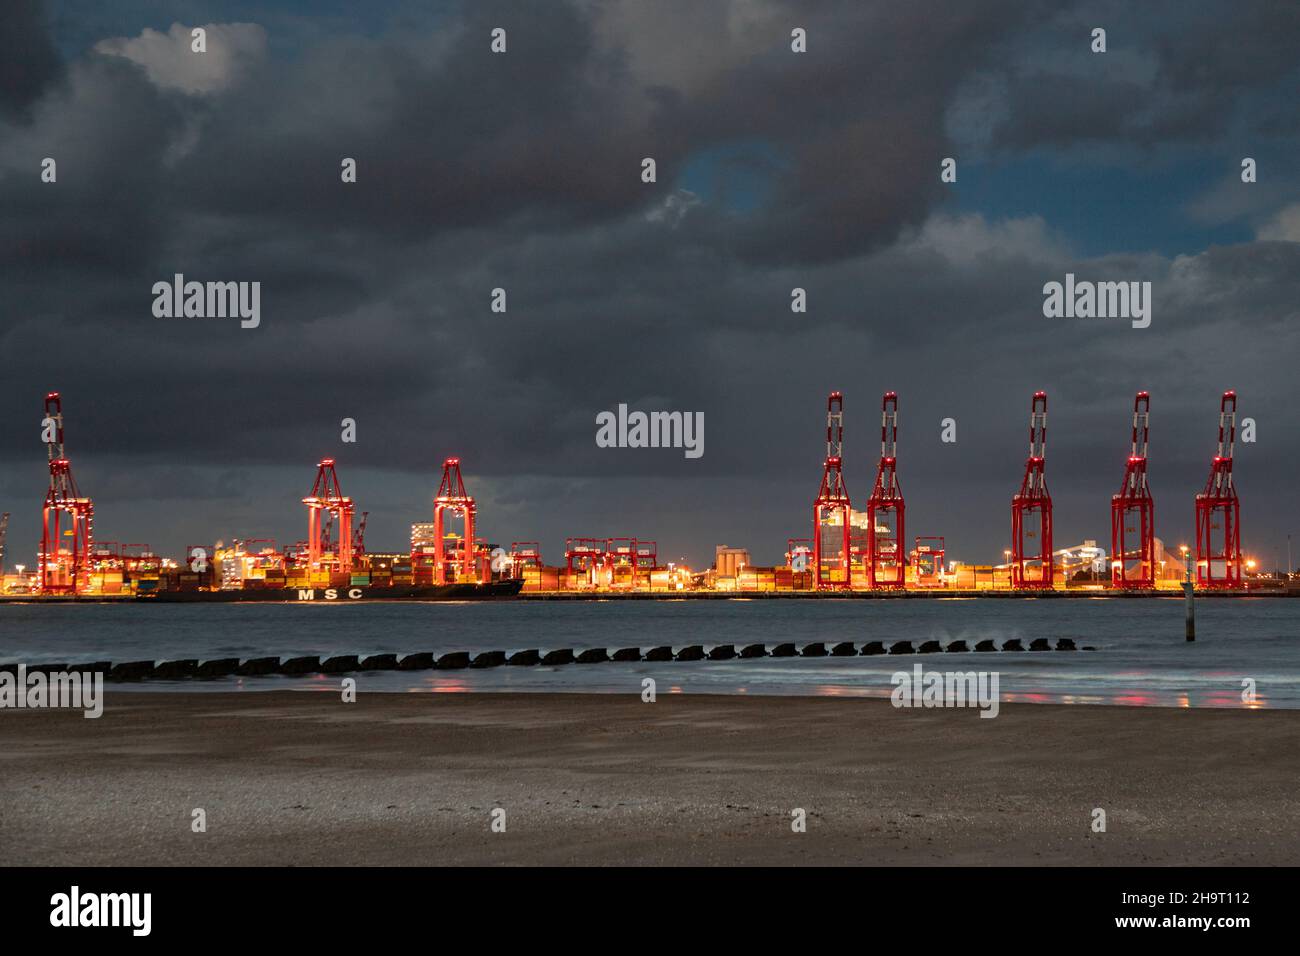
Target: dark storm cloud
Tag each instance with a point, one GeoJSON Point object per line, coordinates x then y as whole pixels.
{"type": "Point", "coordinates": [105, 126]}
{"type": "Point", "coordinates": [861, 122]}
{"type": "Point", "coordinates": [28, 60]}
{"type": "Point", "coordinates": [1174, 73]}
{"type": "Point", "coordinates": [447, 134]}
{"type": "Point", "coordinates": [522, 171]}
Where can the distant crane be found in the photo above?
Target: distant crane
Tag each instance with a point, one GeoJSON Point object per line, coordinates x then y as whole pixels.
{"type": "Point", "coordinates": [1031, 509]}
{"type": "Point", "coordinates": [525, 554]}
{"type": "Point", "coordinates": [327, 496]}
{"type": "Point", "coordinates": [587, 561]}
{"type": "Point", "coordinates": [1218, 511]}
{"type": "Point", "coordinates": [451, 497]}
{"type": "Point", "coordinates": [359, 537]}
{"type": "Point", "coordinates": [887, 564]}
{"type": "Point", "coordinates": [928, 558]}
{"type": "Point", "coordinates": [60, 571]}
{"type": "Point", "coordinates": [798, 554]}
{"type": "Point", "coordinates": [831, 509]}
{"type": "Point", "coordinates": [1133, 563]}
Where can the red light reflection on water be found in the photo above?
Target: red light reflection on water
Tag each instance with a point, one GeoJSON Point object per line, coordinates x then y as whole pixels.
{"type": "Point", "coordinates": [1140, 697]}
{"type": "Point", "coordinates": [319, 683]}
{"type": "Point", "coordinates": [442, 685]}
{"type": "Point", "coordinates": [1133, 700]}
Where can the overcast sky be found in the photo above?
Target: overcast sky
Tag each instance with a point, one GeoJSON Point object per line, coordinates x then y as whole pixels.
{"type": "Point", "coordinates": [522, 170]}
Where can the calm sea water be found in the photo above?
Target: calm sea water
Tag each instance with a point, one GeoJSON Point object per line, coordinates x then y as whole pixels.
{"type": "Point", "coordinates": [1141, 658]}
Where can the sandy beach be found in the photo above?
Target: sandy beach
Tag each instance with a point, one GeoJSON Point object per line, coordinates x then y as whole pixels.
{"type": "Point", "coordinates": [302, 778]}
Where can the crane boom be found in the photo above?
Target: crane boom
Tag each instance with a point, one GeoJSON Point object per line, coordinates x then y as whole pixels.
{"type": "Point", "coordinates": [1218, 511]}
{"type": "Point", "coordinates": [1031, 509]}
{"type": "Point", "coordinates": [1132, 511]}
{"type": "Point", "coordinates": [831, 508]}
{"type": "Point", "coordinates": [886, 562]}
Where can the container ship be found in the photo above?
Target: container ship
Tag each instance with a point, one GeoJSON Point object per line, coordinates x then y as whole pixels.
{"type": "Point", "coordinates": [240, 573]}
{"type": "Point", "coordinates": [247, 572]}
{"type": "Point", "coordinates": [468, 591]}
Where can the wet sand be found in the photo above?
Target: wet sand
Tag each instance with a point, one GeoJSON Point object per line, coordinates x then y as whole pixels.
{"type": "Point", "coordinates": [302, 778]}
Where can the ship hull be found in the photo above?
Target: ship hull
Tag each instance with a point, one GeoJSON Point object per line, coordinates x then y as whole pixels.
{"type": "Point", "coordinates": [494, 591]}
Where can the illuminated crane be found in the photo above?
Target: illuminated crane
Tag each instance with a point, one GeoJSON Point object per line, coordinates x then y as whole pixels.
{"type": "Point", "coordinates": [525, 554]}
{"type": "Point", "coordinates": [1031, 510]}
{"type": "Point", "coordinates": [359, 537]}
{"type": "Point", "coordinates": [1218, 511]}
{"type": "Point", "coordinates": [62, 571]}
{"type": "Point", "coordinates": [1132, 512]}
{"type": "Point", "coordinates": [452, 497]}
{"type": "Point", "coordinates": [831, 510]}
{"type": "Point", "coordinates": [928, 557]}
{"type": "Point", "coordinates": [327, 496]}
{"type": "Point", "coordinates": [887, 565]}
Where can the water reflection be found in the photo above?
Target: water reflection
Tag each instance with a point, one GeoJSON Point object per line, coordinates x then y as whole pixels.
{"type": "Point", "coordinates": [1141, 659]}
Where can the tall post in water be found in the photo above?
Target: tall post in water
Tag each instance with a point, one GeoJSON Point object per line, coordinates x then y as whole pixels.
{"type": "Point", "coordinates": [1187, 597]}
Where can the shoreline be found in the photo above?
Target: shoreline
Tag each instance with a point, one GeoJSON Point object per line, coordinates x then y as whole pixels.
{"type": "Point", "coordinates": [286, 777]}
{"type": "Point", "coordinates": [597, 596]}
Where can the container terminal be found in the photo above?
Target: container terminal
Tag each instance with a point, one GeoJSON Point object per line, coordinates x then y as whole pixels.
{"type": "Point", "coordinates": [849, 553]}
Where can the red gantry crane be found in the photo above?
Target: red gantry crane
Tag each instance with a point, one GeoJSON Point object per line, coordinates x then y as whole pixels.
{"type": "Point", "coordinates": [798, 554]}
{"type": "Point", "coordinates": [1031, 510]}
{"type": "Point", "coordinates": [928, 557]}
{"type": "Point", "coordinates": [1132, 512]}
{"type": "Point", "coordinates": [887, 564]}
{"type": "Point", "coordinates": [831, 510]}
{"type": "Point", "coordinates": [327, 496]}
{"type": "Point", "coordinates": [452, 498]}
{"type": "Point", "coordinates": [62, 571]}
{"type": "Point", "coordinates": [359, 536]}
{"type": "Point", "coordinates": [1218, 511]}
{"type": "Point", "coordinates": [525, 554]}
{"type": "Point", "coordinates": [646, 559]}
{"type": "Point", "coordinates": [589, 557]}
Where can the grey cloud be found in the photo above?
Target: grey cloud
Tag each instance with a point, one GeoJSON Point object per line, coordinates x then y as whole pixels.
{"type": "Point", "coordinates": [28, 60]}
{"type": "Point", "coordinates": [1174, 73]}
